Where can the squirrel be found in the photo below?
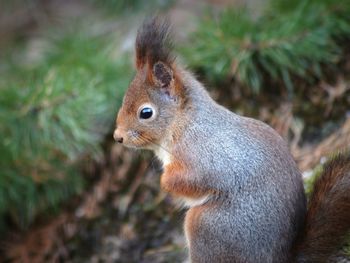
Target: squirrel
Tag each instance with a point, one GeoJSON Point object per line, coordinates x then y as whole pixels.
{"type": "Point", "coordinates": [244, 193]}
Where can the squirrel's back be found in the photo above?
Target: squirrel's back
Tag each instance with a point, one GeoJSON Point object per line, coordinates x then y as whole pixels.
{"type": "Point", "coordinates": [259, 190]}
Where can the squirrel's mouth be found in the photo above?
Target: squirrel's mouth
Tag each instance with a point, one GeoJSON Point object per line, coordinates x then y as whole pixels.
{"type": "Point", "coordinates": [133, 139]}
{"type": "Point", "coordinates": [136, 140]}
{"type": "Point", "coordinates": [138, 145]}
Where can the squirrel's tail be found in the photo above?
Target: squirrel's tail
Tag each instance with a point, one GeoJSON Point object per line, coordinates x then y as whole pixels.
{"type": "Point", "coordinates": [328, 218]}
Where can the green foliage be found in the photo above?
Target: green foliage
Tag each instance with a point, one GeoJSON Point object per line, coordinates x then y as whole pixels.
{"type": "Point", "coordinates": [291, 39]}
{"type": "Point", "coordinates": [119, 6]}
{"type": "Point", "coordinates": [54, 113]}
{"type": "Point", "coordinates": [309, 182]}
{"type": "Point", "coordinates": [347, 247]}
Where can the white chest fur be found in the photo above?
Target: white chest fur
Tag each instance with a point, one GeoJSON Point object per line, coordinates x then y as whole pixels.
{"type": "Point", "coordinates": [163, 155]}
{"type": "Point", "coordinates": [192, 202]}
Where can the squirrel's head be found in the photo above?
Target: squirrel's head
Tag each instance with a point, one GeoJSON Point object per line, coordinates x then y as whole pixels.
{"type": "Point", "coordinates": [156, 94]}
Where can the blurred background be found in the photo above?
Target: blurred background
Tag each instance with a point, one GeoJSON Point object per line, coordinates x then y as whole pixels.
{"type": "Point", "coordinates": [68, 193]}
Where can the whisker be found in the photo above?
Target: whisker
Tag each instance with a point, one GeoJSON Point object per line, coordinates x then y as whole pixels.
{"type": "Point", "coordinates": [156, 144]}
{"type": "Point", "coordinates": [146, 140]}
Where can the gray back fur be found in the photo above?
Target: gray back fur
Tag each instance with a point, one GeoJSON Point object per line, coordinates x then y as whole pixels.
{"type": "Point", "coordinates": [260, 205]}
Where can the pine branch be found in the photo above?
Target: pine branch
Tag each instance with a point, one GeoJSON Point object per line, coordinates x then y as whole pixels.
{"type": "Point", "coordinates": [58, 111]}
{"type": "Point", "coordinates": [283, 43]}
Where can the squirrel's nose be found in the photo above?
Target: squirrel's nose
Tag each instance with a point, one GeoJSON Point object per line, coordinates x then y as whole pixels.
{"type": "Point", "coordinates": [117, 136]}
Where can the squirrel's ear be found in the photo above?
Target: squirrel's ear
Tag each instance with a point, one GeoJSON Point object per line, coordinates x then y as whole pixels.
{"type": "Point", "coordinates": [162, 75]}
{"type": "Point", "coordinates": [165, 78]}
{"type": "Point", "coordinates": [154, 57]}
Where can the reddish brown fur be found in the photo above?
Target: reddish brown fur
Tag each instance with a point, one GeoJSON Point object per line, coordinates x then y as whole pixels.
{"type": "Point", "coordinates": [328, 216]}
{"type": "Point", "coordinates": [136, 93]}
{"type": "Point", "coordinates": [176, 181]}
{"type": "Point", "coordinates": [151, 50]}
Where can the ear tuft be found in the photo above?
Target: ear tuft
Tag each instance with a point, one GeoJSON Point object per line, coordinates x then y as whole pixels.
{"type": "Point", "coordinates": [163, 74]}
{"type": "Point", "coordinates": [153, 43]}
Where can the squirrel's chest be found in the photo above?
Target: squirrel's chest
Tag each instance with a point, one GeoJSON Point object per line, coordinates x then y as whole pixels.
{"type": "Point", "coordinates": [163, 155]}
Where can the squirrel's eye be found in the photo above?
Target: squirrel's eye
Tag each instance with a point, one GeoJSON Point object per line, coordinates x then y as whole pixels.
{"type": "Point", "coordinates": [146, 113]}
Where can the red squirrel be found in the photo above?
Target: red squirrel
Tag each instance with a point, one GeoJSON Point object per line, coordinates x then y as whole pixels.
{"type": "Point", "coordinates": [243, 190]}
